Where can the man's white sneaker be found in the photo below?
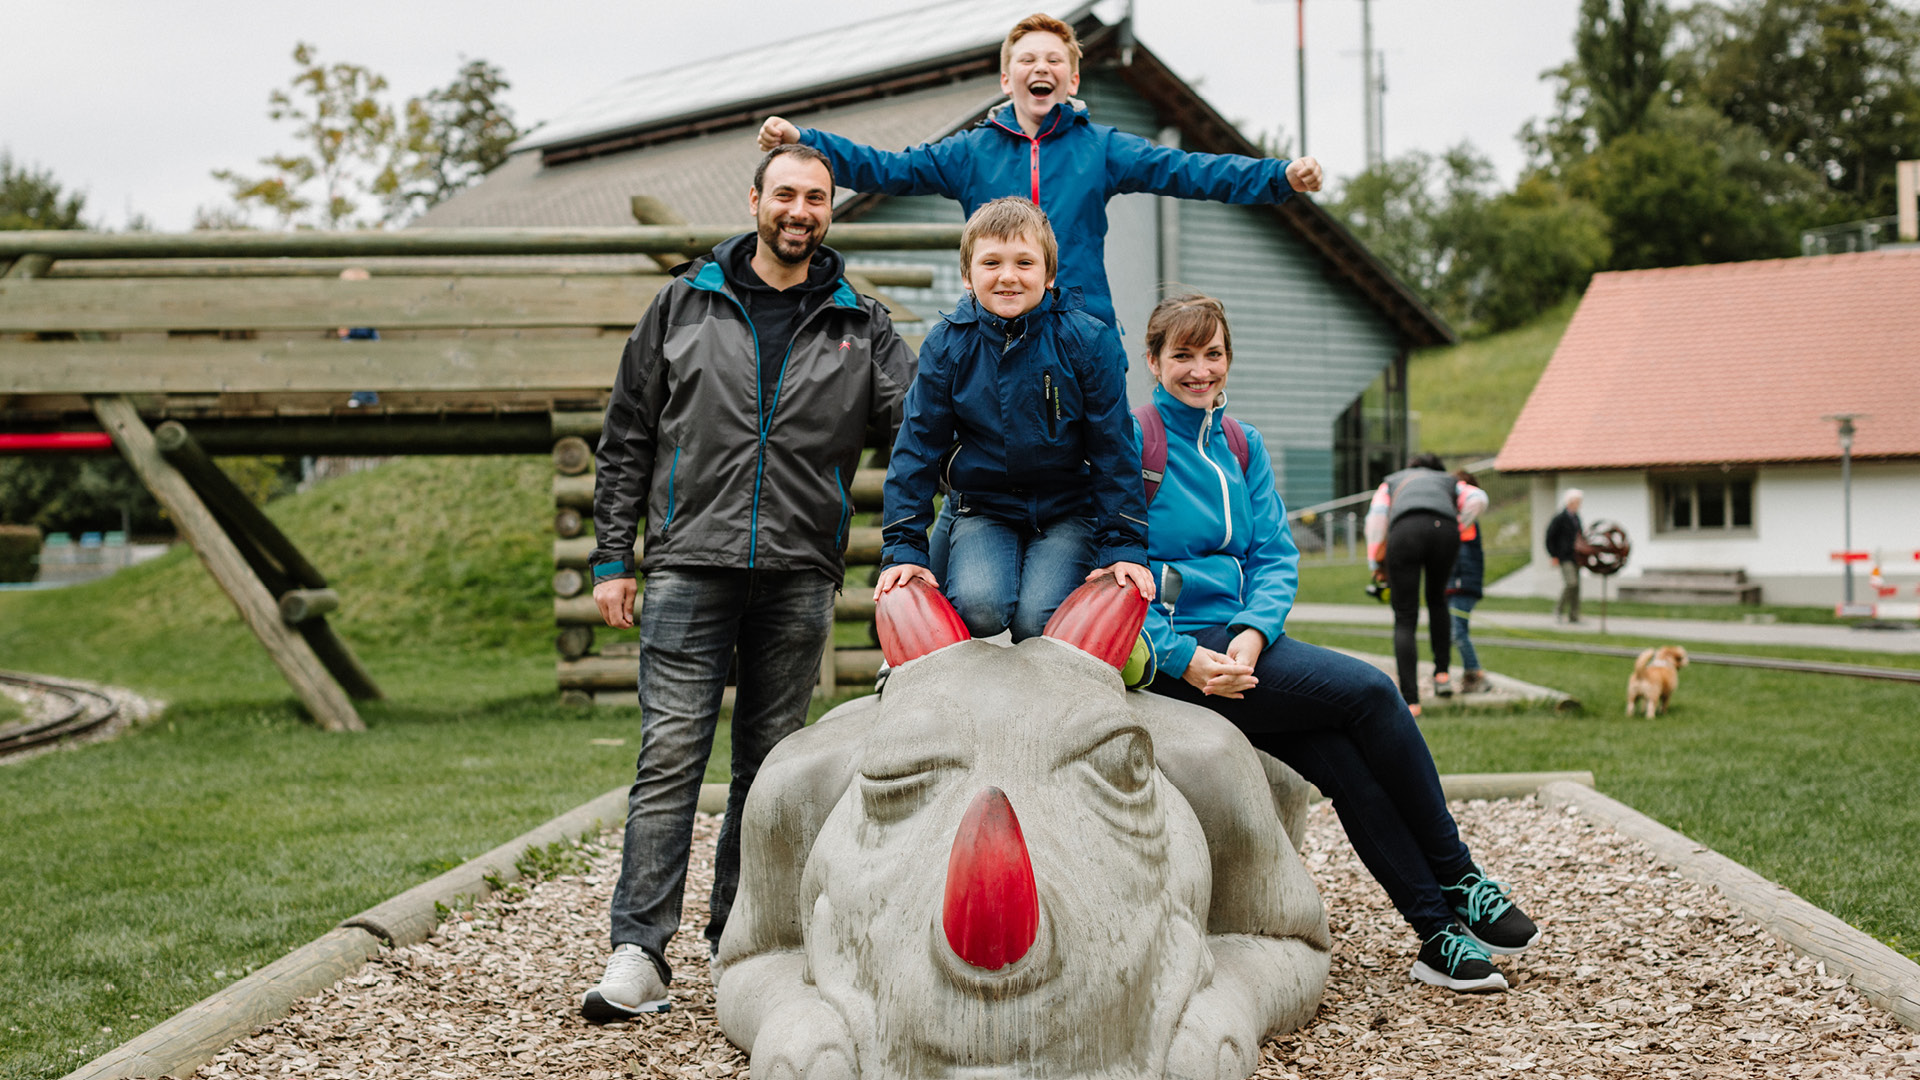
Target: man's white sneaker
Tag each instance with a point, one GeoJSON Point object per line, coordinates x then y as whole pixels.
{"type": "Point", "coordinates": [630, 987]}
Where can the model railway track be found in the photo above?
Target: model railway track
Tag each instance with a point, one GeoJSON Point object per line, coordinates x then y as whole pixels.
{"type": "Point", "coordinates": [85, 710]}
{"type": "Point", "coordinates": [1769, 663]}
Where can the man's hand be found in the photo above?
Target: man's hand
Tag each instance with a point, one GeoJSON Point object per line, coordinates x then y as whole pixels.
{"type": "Point", "coordinates": [1217, 675]}
{"type": "Point", "coordinates": [1303, 174]}
{"type": "Point", "coordinates": [1380, 575]}
{"type": "Point", "coordinates": [1128, 573]}
{"type": "Point", "coordinates": [777, 131]}
{"type": "Point", "coordinates": [615, 600]}
{"type": "Point", "coordinates": [899, 574]}
{"type": "Point", "coordinates": [1246, 647]}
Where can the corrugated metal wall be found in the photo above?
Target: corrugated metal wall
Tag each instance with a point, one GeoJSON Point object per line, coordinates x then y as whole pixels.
{"type": "Point", "coordinates": [1305, 346]}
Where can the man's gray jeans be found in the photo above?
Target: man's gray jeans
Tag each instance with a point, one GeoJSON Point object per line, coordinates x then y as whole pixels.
{"type": "Point", "coordinates": [1569, 602]}
{"type": "Point", "coordinates": [691, 623]}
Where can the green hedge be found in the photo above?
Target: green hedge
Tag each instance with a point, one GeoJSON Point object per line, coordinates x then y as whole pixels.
{"type": "Point", "coordinates": [19, 552]}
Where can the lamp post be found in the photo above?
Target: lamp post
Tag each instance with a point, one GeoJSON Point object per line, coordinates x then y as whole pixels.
{"type": "Point", "coordinates": [1845, 420]}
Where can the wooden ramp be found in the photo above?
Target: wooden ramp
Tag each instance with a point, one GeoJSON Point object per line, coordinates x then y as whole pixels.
{"type": "Point", "coordinates": [489, 341]}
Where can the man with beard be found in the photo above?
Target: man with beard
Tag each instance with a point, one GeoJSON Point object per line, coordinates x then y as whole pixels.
{"type": "Point", "coordinates": [736, 421]}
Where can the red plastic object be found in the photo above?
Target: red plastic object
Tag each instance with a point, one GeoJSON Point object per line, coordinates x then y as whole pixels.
{"type": "Point", "coordinates": [914, 620]}
{"type": "Point", "coordinates": [992, 911]}
{"type": "Point", "coordinates": [1102, 617]}
{"type": "Point", "coordinates": [56, 442]}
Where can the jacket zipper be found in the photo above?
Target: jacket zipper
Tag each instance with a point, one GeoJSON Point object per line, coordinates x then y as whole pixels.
{"type": "Point", "coordinates": [840, 540]}
{"type": "Point", "coordinates": [1047, 403]}
{"type": "Point", "coordinates": [1226, 496]}
{"type": "Point", "coordinates": [673, 470]}
{"type": "Point", "coordinates": [1033, 153]}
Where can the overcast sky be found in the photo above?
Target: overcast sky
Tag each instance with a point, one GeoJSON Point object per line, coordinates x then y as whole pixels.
{"type": "Point", "coordinates": [134, 103]}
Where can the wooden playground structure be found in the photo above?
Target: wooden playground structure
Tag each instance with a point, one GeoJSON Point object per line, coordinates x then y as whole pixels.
{"type": "Point", "coordinates": [176, 348]}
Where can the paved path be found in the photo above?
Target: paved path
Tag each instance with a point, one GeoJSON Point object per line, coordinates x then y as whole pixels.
{"type": "Point", "coordinates": [1713, 630]}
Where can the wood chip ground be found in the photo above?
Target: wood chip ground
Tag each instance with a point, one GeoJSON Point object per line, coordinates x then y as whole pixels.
{"type": "Point", "coordinates": [1640, 973]}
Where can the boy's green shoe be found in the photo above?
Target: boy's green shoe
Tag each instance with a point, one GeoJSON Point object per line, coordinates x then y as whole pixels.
{"type": "Point", "coordinates": [1140, 668]}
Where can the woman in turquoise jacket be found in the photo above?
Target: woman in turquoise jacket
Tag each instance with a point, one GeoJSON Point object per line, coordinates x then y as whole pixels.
{"type": "Point", "coordinates": [1227, 570]}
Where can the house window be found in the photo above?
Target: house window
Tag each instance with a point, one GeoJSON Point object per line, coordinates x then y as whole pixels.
{"type": "Point", "coordinates": [1705, 504]}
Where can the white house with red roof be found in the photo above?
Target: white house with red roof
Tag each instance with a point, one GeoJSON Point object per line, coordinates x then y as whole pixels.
{"type": "Point", "coordinates": [1693, 406]}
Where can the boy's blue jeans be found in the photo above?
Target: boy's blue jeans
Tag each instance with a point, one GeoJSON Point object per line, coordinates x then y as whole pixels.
{"type": "Point", "coordinates": [1002, 576]}
{"type": "Point", "coordinates": [1460, 606]}
{"type": "Point", "coordinates": [1340, 723]}
{"type": "Point", "coordinates": [692, 619]}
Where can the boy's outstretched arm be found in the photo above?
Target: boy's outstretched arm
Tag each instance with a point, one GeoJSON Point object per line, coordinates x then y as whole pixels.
{"type": "Point", "coordinates": [1137, 165]}
{"type": "Point", "coordinates": [928, 169]}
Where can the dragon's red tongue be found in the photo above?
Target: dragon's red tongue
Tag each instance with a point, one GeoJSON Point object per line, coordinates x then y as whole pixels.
{"type": "Point", "coordinates": [992, 908]}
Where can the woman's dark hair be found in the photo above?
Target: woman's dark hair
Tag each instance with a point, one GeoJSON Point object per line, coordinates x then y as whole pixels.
{"type": "Point", "coordinates": [1426, 460]}
{"type": "Point", "coordinates": [1188, 320]}
{"type": "Point", "coordinates": [1465, 477]}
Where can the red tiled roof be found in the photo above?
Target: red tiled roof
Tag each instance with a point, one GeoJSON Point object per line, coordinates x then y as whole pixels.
{"type": "Point", "coordinates": [1737, 362]}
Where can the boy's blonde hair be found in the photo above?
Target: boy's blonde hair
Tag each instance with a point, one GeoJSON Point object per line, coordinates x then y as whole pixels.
{"type": "Point", "coordinates": [1043, 24]}
{"type": "Point", "coordinates": [1188, 321]}
{"type": "Point", "coordinates": [1010, 218]}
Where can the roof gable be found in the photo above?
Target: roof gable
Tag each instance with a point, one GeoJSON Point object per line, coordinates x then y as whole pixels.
{"type": "Point", "coordinates": [1733, 363]}
{"type": "Point", "coordinates": [792, 68]}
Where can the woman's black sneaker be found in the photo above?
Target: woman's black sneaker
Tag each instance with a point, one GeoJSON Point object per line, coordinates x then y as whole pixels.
{"type": "Point", "coordinates": [1489, 915]}
{"type": "Point", "coordinates": [1454, 960]}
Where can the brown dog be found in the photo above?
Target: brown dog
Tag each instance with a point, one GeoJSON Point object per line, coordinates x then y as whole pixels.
{"type": "Point", "coordinates": [1656, 674]}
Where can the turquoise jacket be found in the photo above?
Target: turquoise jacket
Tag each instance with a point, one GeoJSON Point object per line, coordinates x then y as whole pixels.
{"type": "Point", "coordinates": [1222, 532]}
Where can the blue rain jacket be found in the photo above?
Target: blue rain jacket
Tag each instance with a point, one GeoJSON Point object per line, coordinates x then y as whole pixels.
{"type": "Point", "coordinates": [1026, 419]}
{"type": "Point", "coordinates": [1071, 169]}
{"type": "Point", "coordinates": [1223, 530]}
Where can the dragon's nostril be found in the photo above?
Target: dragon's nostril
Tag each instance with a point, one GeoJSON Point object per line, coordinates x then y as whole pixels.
{"type": "Point", "coordinates": [992, 911]}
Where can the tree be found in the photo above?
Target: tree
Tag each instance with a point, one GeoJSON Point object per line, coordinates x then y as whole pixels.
{"type": "Point", "coordinates": [1619, 72]}
{"type": "Point", "coordinates": [31, 199]}
{"type": "Point", "coordinates": [1486, 260]}
{"type": "Point", "coordinates": [452, 137]}
{"type": "Point", "coordinates": [345, 131]}
{"type": "Point", "coordinates": [1833, 85]}
{"type": "Point", "coordinates": [363, 163]}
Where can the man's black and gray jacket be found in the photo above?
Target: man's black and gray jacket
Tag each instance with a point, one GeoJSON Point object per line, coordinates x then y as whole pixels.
{"type": "Point", "coordinates": [686, 447]}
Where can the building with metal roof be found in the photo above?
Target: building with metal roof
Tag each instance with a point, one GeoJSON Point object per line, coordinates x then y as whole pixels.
{"type": "Point", "coordinates": [1321, 327]}
{"type": "Point", "coordinates": [1698, 407]}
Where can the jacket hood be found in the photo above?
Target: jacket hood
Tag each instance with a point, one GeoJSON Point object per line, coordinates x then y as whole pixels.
{"type": "Point", "coordinates": [1182, 418]}
{"type": "Point", "coordinates": [1060, 118]}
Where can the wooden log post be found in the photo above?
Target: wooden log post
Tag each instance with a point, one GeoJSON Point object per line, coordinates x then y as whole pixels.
{"type": "Point", "coordinates": [572, 456]}
{"type": "Point", "coordinates": [288, 649]}
{"type": "Point", "coordinates": [272, 555]}
{"type": "Point", "coordinates": [299, 605]}
{"type": "Point", "coordinates": [568, 522]}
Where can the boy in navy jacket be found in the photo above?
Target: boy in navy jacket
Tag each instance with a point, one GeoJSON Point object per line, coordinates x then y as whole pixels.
{"type": "Point", "coordinates": [1020, 405]}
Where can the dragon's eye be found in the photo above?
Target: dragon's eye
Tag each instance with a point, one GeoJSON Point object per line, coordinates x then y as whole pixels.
{"type": "Point", "coordinates": [895, 793]}
{"type": "Point", "coordinates": [1125, 760]}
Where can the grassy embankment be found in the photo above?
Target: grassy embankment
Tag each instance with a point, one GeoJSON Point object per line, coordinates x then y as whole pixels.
{"type": "Point", "coordinates": [152, 870]}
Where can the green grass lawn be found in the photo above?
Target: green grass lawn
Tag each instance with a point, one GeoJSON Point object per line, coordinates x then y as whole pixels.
{"type": "Point", "coordinates": [9, 712]}
{"type": "Point", "coordinates": [1469, 395]}
{"type": "Point", "coordinates": [1806, 779]}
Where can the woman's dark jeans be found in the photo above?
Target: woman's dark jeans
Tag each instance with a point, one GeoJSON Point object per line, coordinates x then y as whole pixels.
{"type": "Point", "coordinates": [1339, 722]}
{"type": "Point", "coordinates": [1419, 542]}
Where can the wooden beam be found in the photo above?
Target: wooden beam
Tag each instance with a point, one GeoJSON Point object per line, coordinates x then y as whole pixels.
{"type": "Point", "coordinates": [630, 240]}
{"type": "Point", "coordinates": [27, 267]}
{"type": "Point", "coordinates": [560, 365]}
{"type": "Point", "coordinates": [275, 559]}
{"type": "Point", "coordinates": [289, 651]}
{"type": "Point", "coordinates": [586, 267]}
{"type": "Point", "coordinates": [321, 305]}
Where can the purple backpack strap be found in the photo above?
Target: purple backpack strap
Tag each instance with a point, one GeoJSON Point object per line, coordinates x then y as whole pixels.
{"type": "Point", "coordinates": [1153, 449]}
{"type": "Point", "coordinates": [1236, 442]}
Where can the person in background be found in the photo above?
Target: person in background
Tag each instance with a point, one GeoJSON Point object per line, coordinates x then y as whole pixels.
{"type": "Point", "coordinates": [1463, 588]}
{"type": "Point", "coordinates": [1563, 538]}
{"type": "Point", "coordinates": [1413, 531]}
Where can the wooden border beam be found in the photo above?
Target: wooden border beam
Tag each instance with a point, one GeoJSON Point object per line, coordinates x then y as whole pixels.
{"type": "Point", "coordinates": [223, 559]}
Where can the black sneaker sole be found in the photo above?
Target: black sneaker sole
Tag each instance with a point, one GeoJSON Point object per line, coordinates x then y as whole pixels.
{"type": "Point", "coordinates": [601, 1011]}
{"type": "Point", "coordinates": [1502, 950]}
{"type": "Point", "coordinates": [1492, 984]}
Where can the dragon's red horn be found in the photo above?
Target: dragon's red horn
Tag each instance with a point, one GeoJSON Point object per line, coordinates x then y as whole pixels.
{"type": "Point", "coordinates": [914, 620]}
{"type": "Point", "coordinates": [1102, 617]}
